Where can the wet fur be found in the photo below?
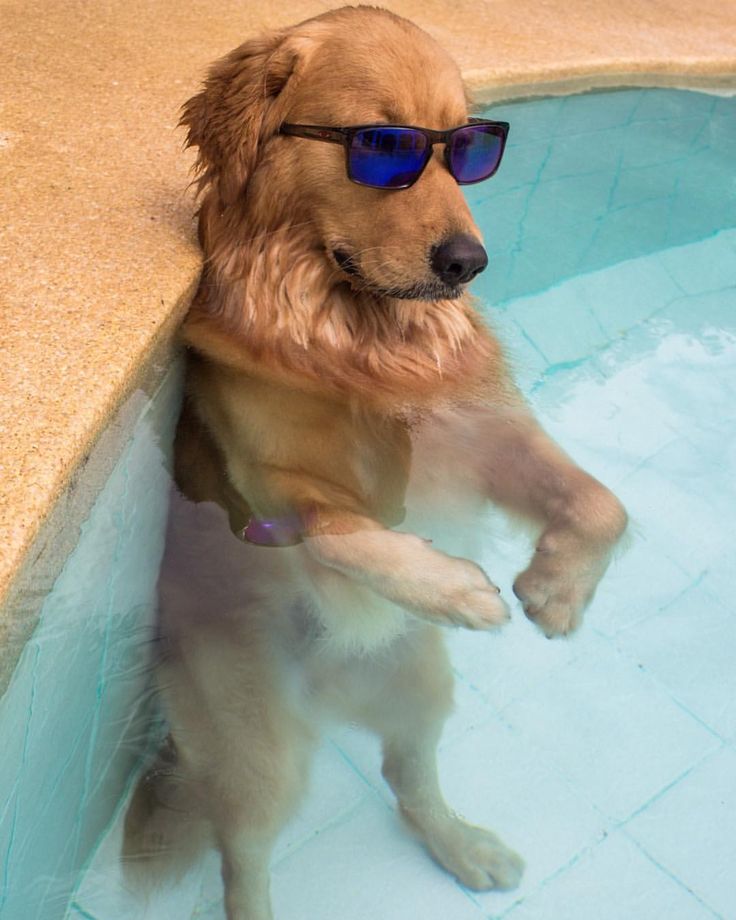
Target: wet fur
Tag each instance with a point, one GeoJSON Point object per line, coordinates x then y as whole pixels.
{"type": "Point", "coordinates": [382, 420]}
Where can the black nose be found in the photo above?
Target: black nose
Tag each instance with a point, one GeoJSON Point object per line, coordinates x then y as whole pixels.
{"type": "Point", "coordinates": [458, 259]}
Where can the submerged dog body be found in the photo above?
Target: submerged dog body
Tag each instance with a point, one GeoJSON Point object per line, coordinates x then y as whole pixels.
{"type": "Point", "coordinates": [341, 388]}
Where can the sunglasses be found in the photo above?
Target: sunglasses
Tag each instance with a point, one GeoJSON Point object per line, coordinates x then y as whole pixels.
{"type": "Point", "coordinates": [395, 156]}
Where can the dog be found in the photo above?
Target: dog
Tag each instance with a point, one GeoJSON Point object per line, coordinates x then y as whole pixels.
{"type": "Point", "coordinates": [348, 416]}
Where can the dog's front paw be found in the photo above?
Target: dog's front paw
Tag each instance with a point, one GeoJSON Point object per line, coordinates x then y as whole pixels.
{"type": "Point", "coordinates": [559, 584]}
{"type": "Point", "coordinates": [464, 596]}
{"type": "Point", "coordinates": [475, 856]}
{"type": "Point", "coordinates": [553, 594]}
{"type": "Point", "coordinates": [569, 561]}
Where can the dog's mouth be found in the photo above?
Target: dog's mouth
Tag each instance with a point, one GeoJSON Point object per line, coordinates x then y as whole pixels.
{"type": "Point", "coordinates": [426, 290]}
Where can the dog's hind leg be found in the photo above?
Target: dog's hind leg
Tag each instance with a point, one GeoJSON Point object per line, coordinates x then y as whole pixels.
{"type": "Point", "coordinates": [257, 777]}
{"type": "Point", "coordinates": [243, 744]}
{"type": "Point", "coordinates": [415, 701]}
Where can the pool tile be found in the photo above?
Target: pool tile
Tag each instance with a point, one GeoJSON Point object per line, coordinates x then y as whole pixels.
{"type": "Point", "coordinates": [714, 210]}
{"type": "Point", "coordinates": [596, 112]}
{"type": "Point", "coordinates": [699, 268]}
{"type": "Point", "coordinates": [506, 666]}
{"type": "Point", "coordinates": [674, 514]}
{"type": "Point", "coordinates": [499, 222]}
{"type": "Point", "coordinates": [667, 140]}
{"type": "Point", "coordinates": [623, 295]}
{"type": "Point", "coordinates": [545, 258]}
{"type": "Point", "coordinates": [366, 866]}
{"type": "Point", "coordinates": [620, 413]}
{"type": "Point", "coordinates": [644, 183]}
{"type": "Point", "coordinates": [619, 235]}
{"type": "Point", "coordinates": [496, 778]}
{"type": "Point", "coordinates": [564, 202]}
{"type": "Point", "coordinates": [361, 750]}
{"type": "Point", "coordinates": [690, 648]}
{"type": "Point", "coordinates": [664, 105]}
{"type": "Point", "coordinates": [525, 360]}
{"type": "Point", "coordinates": [711, 318]}
{"type": "Point", "coordinates": [612, 881]}
{"type": "Point", "coordinates": [611, 730]}
{"type": "Point", "coordinates": [534, 120]}
{"type": "Point", "coordinates": [573, 155]}
{"type": "Point", "coordinates": [560, 324]}
{"type": "Point", "coordinates": [638, 584]}
{"type": "Point", "coordinates": [472, 710]}
{"type": "Point", "coordinates": [720, 579]}
{"type": "Point", "coordinates": [334, 788]}
{"type": "Point", "coordinates": [691, 831]}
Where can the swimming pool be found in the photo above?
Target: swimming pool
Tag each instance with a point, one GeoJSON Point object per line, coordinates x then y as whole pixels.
{"type": "Point", "coordinates": [608, 761]}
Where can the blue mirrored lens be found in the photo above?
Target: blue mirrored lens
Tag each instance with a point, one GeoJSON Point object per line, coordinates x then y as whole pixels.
{"type": "Point", "coordinates": [387, 157]}
{"type": "Point", "coordinates": [475, 153]}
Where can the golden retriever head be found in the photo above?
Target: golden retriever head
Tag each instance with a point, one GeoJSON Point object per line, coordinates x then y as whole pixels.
{"type": "Point", "coordinates": [279, 200]}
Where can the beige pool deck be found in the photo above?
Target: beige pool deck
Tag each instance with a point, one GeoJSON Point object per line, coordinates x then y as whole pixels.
{"type": "Point", "coordinates": [97, 243]}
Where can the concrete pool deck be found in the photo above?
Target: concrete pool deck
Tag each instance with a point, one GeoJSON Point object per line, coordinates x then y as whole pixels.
{"type": "Point", "coordinates": [98, 251]}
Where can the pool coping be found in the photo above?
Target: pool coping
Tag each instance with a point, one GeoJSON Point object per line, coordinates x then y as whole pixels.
{"type": "Point", "coordinates": [49, 524]}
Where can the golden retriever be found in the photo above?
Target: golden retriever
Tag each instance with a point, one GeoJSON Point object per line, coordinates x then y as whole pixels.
{"type": "Point", "coordinates": [342, 390]}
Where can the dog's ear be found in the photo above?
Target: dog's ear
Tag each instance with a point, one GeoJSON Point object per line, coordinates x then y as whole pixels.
{"type": "Point", "coordinates": [244, 100]}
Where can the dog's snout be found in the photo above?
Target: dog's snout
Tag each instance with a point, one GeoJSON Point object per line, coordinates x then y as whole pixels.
{"type": "Point", "coordinates": [458, 259]}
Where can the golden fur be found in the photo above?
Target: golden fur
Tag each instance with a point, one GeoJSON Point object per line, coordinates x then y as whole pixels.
{"type": "Point", "coordinates": [377, 408]}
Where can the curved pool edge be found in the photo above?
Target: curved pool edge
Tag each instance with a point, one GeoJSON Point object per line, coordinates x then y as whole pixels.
{"type": "Point", "coordinates": [488, 89]}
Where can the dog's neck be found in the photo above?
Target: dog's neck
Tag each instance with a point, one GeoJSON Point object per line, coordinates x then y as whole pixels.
{"type": "Point", "coordinates": [275, 305]}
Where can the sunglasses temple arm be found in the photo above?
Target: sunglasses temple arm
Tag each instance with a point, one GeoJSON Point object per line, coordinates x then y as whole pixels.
{"type": "Point", "coordinates": [315, 133]}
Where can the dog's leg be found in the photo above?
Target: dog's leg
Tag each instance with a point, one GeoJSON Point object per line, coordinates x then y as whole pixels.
{"type": "Point", "coordinates": [242, 746]}
{"type": "Point", "coordinates": [402, 567]}
{"type": "Point", "coordinates": [415, 700]}
{"type": "Point", "coordinates": [581, 520]}
{"type": "Point", "coordinates": [258, 775]}
{"type": "Point", "coordinates": [406, 570]}
{"type": "Point", "coordinates": [258, 783]}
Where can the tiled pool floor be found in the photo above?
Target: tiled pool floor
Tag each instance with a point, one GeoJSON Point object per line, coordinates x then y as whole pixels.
{"type": "Point", "coordinates": [606, 760]}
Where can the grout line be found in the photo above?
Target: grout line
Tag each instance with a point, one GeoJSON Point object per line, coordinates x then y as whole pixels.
{"type": "Point", "coordinates": [665, 871]}
{"type": "Point", "coordinates": [334, 821]}
{"type": "Point", "coordinates": [574, 860]}
{"type": "Point", "coordinates": [82, 912]}
{"type": "Point", "coordinates": [665, 789]}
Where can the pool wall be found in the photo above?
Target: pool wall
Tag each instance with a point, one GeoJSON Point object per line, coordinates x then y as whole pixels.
{"type": "Point", "coordinates": [75, 715]}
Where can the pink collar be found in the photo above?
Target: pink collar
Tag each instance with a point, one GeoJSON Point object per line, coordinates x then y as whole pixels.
{"type": "Point", "coordinates": [277, 531]}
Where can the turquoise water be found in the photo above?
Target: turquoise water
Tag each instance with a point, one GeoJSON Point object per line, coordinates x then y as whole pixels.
{"type": "Point", "coordinates": [607, 760]}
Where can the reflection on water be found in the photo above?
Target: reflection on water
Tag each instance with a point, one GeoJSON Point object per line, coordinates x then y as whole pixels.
{"type": "Point", "coordinates": [632, 367]}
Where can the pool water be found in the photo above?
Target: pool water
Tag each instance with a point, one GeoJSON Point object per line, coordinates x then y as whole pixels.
{"type": "Point", "coordinates": [607, 760]}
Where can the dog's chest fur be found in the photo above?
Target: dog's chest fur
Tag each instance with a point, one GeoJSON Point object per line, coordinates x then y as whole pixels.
{"type": "Point", "coordinates": [253, 447]}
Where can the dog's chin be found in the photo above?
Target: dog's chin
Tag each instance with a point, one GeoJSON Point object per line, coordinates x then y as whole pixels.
{"type": "Point", "coordinates": [424, 290]}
